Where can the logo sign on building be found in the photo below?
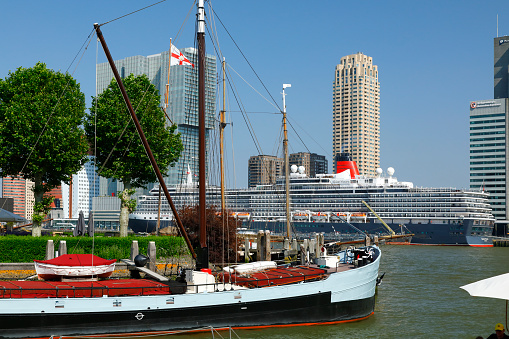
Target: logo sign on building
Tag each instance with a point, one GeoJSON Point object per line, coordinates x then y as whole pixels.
{"type": "Point", "coordinates": [483, 104]}
{"type": "Point", "coordinates": [502, 41]}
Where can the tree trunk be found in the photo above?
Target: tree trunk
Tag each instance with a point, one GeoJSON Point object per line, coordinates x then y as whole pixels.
{"type": "Point", "coordinates": [38, 194]}
{"type": "Point", "coordinates": [124, 221]}
{"type": "Point", "coordinates": [124, 210]}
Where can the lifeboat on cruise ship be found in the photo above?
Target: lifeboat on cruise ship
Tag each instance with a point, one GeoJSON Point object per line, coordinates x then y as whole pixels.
{"type": "Point", "coordinates": [243, 215]}
{"type": "Point", "coordinates": [300, 216]}
{"type": "Point", "coordinates": [358, 217]}
{"type": "Point", "coordinates": [338, 216]}
{"type": "Point", "coordinates": [319, 216]}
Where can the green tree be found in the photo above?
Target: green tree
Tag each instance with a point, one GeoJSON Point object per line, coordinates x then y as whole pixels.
{"type": "Point", "coordinates": [119, 151]}
{"type": "Point", "coordinates": [41, 139]}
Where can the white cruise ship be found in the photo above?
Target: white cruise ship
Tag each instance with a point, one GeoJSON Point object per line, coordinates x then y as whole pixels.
{"type": "Point", "coordinates": [439, 216]}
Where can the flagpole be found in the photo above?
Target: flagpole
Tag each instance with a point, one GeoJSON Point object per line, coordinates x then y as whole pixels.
{"type": "Point", "coordinates": [168, 83]}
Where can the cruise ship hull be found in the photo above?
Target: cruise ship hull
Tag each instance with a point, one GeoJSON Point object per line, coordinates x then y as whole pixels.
{"type": "Point", "coordinates": [423, 233]}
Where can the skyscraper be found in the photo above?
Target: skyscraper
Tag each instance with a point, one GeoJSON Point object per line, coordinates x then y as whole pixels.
{"type": "Point", "coordinates": [21, 191]}
{"type": "Point", "coordinates": [312, 162]}
{"type": "Point", "coordinates": [488, 145]}
{"type": "Point", "coordinates": [85, 186]}
{"type": "Point", "coordinates": [356, 112]}
{"type": "Point", "coordinates": [501, 67]}
{"type": "Point", "coordinates": [488, 138]}
{"type": "Point", "coordinates": [264, 169]}
{"type": "Point", "coordinates": [183, 99]}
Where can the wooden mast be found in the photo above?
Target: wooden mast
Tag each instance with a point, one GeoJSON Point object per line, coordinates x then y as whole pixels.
{"type": "Point", "coordinates": [143, 138]}
{"type": "Point", "coordinates": [287, 165]}
{"type": "Point", "coordinates": [221, 141]}
{"type": "Point", "coordinates": [203, 262]}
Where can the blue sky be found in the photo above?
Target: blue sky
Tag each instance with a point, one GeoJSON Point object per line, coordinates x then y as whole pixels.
{"type": "Point", "coordinates": [434, 57]}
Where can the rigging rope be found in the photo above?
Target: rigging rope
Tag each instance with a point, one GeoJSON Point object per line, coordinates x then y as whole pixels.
{"type": "Point", "coordinates": [139, 10]}
{"type": "Point", "coordinates": [233, 40]}
{"type": "Point", "coordinates": [89, 39]}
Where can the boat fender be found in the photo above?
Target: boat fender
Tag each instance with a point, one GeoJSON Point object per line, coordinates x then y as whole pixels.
{"type": "Point", "coordinates": [140, 260]}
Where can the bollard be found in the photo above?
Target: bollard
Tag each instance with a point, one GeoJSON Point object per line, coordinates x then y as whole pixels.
{"type": "Point", "coordinates": [311, 250]}
{"type": "Point", "coordinates": [268, 252]}
{"type": "Point", "coordinates": [286, 244]}
{"type": "Point", "coordinates": [302, 254]}
{"type": "Point", "coordinates": [50, 250]}
{"type": "Point", "coordinates": [367, 241]}
{"type": "Point", "coordinates": [247, 248]}
{"type": "Point", "coordinates": [295, 246]}
{"type": "Point", "coordinates": [62, 247]}
{"type": "Point", "coordinates": [151, 253]}
{"type": "Point", "coordinates": [134, 249]}
{"type": "Point", "coordinates": [260, 246]}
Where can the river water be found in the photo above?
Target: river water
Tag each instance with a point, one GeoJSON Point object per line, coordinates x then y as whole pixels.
{"type": "Point", "coordinates": [419, 297]}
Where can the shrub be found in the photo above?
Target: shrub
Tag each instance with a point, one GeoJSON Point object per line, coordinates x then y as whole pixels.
{"type": "Point", "coordinates": [15, 249]}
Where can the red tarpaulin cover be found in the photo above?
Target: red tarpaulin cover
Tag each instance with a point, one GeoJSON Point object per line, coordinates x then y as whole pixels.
{"type": "Point", "coordinates": [77, 260]}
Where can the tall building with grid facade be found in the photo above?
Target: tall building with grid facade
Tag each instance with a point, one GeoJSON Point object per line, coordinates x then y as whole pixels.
{"type": "Point", "coordinates": [313, 163]}
{"type": "Point", "coordinates": [264, 169]}
{"type": "Point", "coordinates": [78, 197]}
{"type": "Point", "coordinates": [183, 98]}
{"type": "Point", "coordinates": [501, 67]}
{"type": "Point", "coordinates": [488, 152]}
{"type": "Point", "coordinates": [21, 191]}
{"type": "Point", "coordinates": [356, 112]}
{"type": "Point", "coordinates": [489, 130]}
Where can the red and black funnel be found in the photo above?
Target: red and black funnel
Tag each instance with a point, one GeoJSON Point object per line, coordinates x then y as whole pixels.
{"type": "Point", "coordinates": [344, 162]}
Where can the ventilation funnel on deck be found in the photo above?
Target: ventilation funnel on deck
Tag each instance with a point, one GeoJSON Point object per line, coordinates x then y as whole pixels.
{"type": "Point", "coordinates": [344, 162]}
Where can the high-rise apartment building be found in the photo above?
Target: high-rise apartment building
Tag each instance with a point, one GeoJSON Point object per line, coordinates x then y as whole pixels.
{"type": "Point", "coordinates": [183, 98]}
{"type": "Point", "coordinates": [264, 169]}
{"type": "Point", "coordinates": [313, 163]}
{"type": "Point", "coordinates": [84, 187]}
{"type": "Point", "coordinates": [356, 112]}
{"type": "Point", "coordinates": [21, 191]}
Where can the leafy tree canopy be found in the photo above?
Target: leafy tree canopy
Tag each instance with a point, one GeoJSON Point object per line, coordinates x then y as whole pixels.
{"type": "Point", "coordinates": [119, 151]}
{"type": "Point", "coordinates": [41, 114]}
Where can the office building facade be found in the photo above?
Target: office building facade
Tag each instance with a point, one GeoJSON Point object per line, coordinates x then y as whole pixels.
{"type": "Point", "coordinates": [488, 152]}
{"type": "Point", "coordinates": [264, 169]}
{"type": "Point", "coordinates": [183, 99]}
{"type": "Point", "coordinates": [21, 191]}
{"type": "Point", "coordinates": [501, 67]}
{"type": "Point", "coordinates": [313, 163]}
{"type": "Point", "coordinates": [489, 123]}
{"type": "Point", "coordinates": [84, 187]}
{"type": "Point", "coordinates": [356, 112]}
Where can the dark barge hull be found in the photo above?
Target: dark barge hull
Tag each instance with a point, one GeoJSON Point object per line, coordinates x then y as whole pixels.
{"type": "Point", "coordinates": [316, 308]}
